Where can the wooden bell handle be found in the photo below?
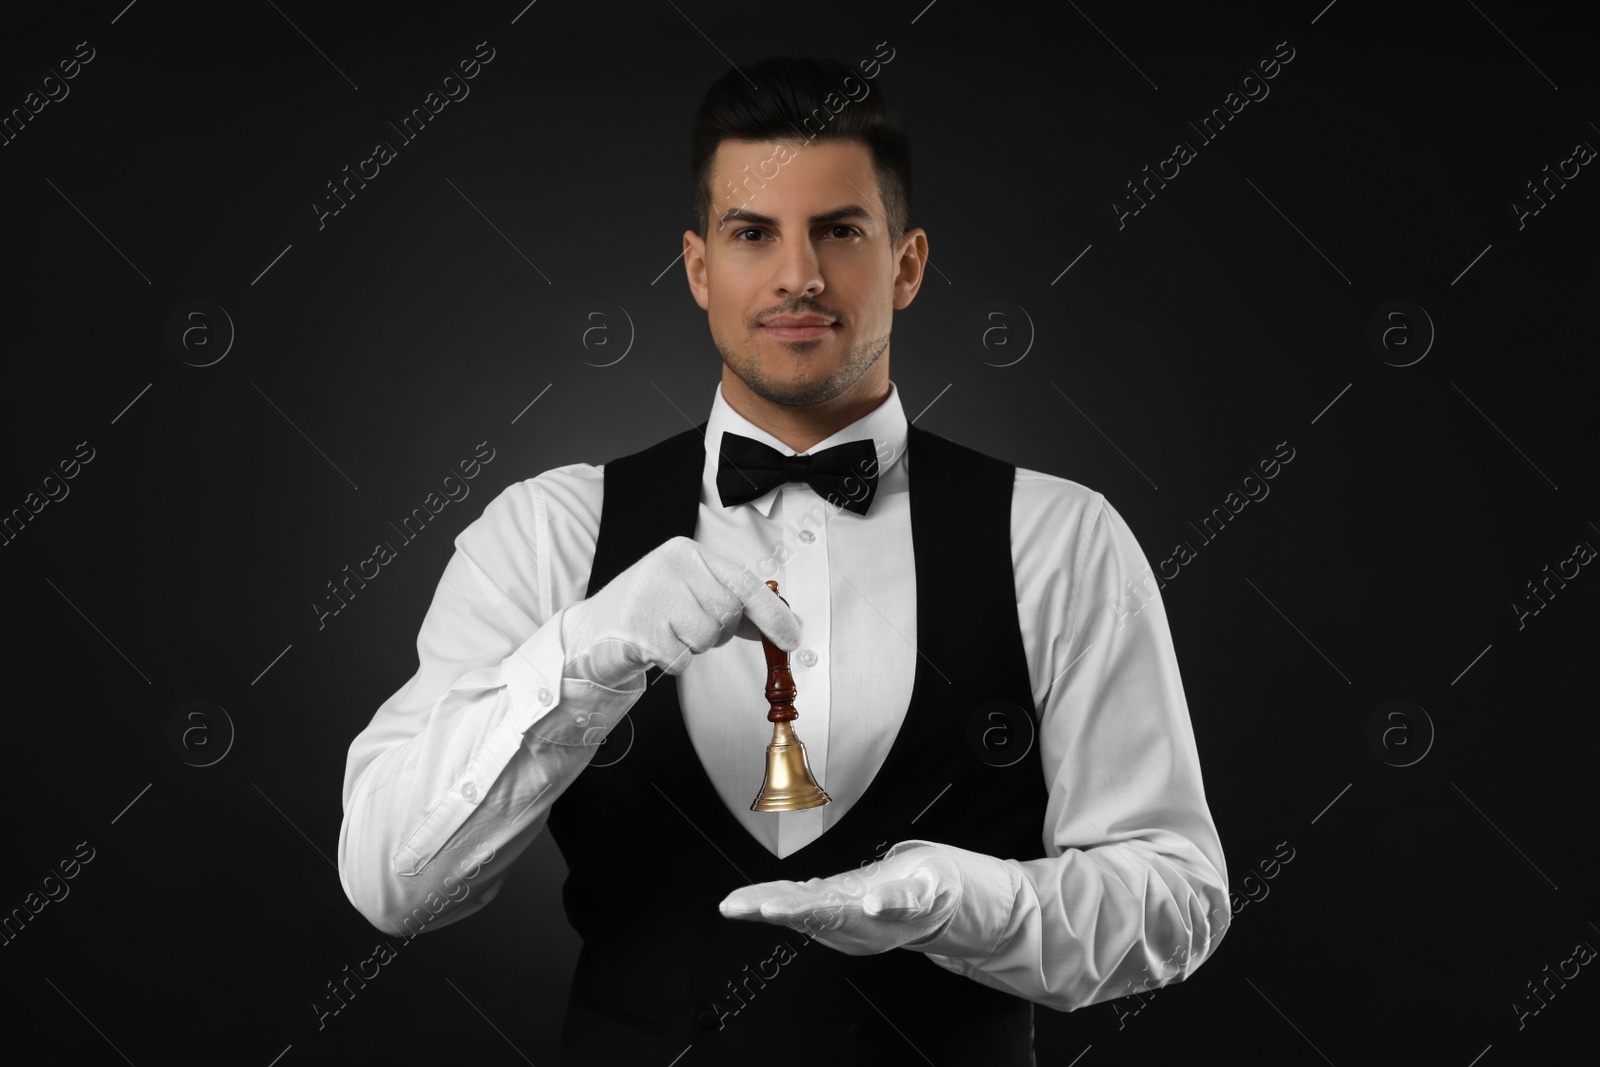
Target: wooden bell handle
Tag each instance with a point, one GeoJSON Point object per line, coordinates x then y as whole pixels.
{"type": "Point", "coordinates": [780, 682]}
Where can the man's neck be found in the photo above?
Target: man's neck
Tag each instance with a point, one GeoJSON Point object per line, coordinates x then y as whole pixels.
{"type": "Point", "coordinates": [802, 427]}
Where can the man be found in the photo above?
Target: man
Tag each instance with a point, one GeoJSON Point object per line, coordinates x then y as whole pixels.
{"type": "Point", "coordinates": [987, 687]}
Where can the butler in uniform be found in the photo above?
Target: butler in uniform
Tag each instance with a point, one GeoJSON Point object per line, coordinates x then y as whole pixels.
{"type": "Point", "coordinates": [987, 685]}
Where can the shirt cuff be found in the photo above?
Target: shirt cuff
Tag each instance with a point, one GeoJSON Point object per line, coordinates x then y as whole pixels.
{"type": "Point", "coordinates": [572, 713]}
{"type": "Point", "coordinates": [981, 924]}
{"type": "Point", "coordinates": [561, 710]}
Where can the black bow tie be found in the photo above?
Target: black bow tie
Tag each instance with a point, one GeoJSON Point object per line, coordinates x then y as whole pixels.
{"type": "Point", "coordinates": [845, 475]}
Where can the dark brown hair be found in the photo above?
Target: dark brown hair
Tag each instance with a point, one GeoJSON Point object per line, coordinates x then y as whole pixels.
{"type": "Point", "coordinates": [790, 105]}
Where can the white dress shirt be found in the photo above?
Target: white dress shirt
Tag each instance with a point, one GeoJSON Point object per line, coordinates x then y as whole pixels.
{"type": "Point", "coordinates": [470, 754]}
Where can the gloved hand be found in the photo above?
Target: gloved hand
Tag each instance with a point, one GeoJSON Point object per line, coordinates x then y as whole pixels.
{"type": "Point", "coordinates": [906, 897]}
{"type": "Point", "coordinates": [679, 599]}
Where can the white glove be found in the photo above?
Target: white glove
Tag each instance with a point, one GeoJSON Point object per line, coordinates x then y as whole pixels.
{"type": "Point", "coordinates": [910, 896]}
{"type": "Point", "coordinates": [679, 599]}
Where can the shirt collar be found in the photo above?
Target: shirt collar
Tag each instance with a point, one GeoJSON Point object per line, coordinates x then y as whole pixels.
{"type": "Point", "coordinates": [885, 425]}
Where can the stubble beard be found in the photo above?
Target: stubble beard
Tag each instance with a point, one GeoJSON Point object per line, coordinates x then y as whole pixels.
{"type": "Point", "coordinates": [746, 365]}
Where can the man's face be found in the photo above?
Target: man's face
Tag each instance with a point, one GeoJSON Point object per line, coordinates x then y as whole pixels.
{"type": "Point", "coordinates": [797, 272]}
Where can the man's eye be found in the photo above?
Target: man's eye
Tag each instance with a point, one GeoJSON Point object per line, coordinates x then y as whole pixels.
{"type": "Point", "coordinates": [849, 231]}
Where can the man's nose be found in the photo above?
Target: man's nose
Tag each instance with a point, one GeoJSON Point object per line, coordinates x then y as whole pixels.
{"type": "Point", "coordinates": [799, 271]}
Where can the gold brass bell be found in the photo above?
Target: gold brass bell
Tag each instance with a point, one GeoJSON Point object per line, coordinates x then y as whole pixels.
{"type": "Point", "coordinates": [788, 785]}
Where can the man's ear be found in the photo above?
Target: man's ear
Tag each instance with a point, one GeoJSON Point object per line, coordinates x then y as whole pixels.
{"type": "Point", "coordinates": [694, 265]}
{"type": "Point", "coordinates": [909, 267]}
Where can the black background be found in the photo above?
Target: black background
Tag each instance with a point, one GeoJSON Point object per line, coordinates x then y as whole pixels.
{"type": "Point", "coordinates": [379, 350]}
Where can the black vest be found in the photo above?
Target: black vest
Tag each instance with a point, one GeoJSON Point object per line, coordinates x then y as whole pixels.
{"type": "Point", "coordinates": [651, 850]}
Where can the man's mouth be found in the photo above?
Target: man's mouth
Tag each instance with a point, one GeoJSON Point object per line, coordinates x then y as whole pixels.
{"type": "Point", "coordinates": [797, 327]}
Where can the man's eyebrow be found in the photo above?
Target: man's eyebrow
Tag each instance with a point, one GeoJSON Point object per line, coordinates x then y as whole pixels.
{"type": "Point", "coordinates": [838, 214]}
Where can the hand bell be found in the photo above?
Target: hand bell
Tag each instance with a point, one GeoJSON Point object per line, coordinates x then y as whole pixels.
{"type": "Point", "coordinates": [789, 784]}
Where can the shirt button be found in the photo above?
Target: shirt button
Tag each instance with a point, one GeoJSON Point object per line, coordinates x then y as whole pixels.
{"type": "Point", "coordinates": [544, 696]}
{"type": "Point", "coordinates": [807, 536]}
{"type": "Point", "coordinates": [809, 658]}
{"type": "Point", "coordinates": [470, 791]}
{"type": "Point", "coordinates": [582, 718]}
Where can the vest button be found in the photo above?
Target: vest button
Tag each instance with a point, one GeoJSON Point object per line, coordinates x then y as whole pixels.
{"type": "Point", "coordinates": [707, 1019]}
